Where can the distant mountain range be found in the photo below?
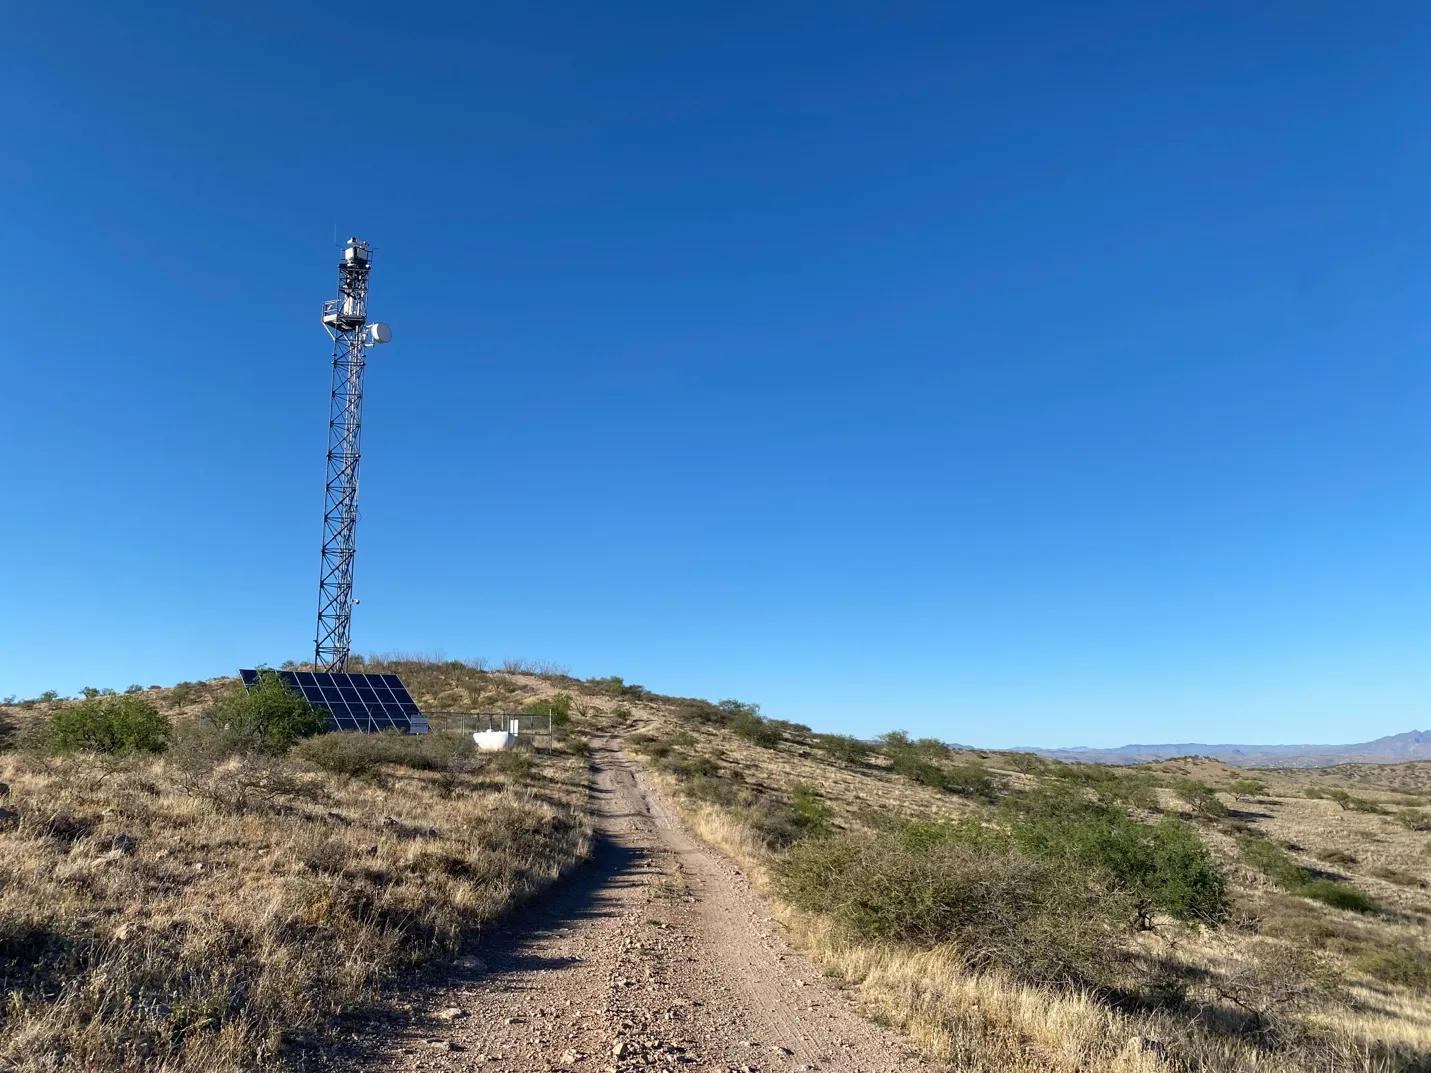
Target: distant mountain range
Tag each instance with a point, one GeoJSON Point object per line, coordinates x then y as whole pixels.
{"type": "Point", "coordinates": [1392, 749]}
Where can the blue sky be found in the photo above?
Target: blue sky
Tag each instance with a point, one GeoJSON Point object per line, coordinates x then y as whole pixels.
{"type": "Point", "coordinates": [1019, 374]}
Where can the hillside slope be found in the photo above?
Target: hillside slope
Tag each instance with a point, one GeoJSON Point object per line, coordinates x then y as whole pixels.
{"type": "Point", "coordinates": [203, 909]}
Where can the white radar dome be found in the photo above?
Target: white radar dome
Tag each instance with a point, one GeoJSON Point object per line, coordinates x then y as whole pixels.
{"type": "Point", "coordinates": [380, 332]}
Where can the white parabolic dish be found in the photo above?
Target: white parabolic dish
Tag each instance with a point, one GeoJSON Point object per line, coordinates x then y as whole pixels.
{"type": "Point", "coordinates": [381, 332]}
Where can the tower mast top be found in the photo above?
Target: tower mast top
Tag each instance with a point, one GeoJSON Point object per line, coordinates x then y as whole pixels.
{"type": "Point", "coordinates": [345, 317]}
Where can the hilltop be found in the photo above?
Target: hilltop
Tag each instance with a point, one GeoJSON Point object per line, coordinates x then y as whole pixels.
{"type": "Point", "coordinates": [1000, 909]}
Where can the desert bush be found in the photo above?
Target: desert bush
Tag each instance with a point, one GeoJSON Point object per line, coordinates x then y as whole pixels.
{"type": "Point", "coordinates": [184, 693]}
{"type": "Point", "coordinates": [1201, 798]}
{"type": "Point", "coordinates": [1414, 819]}
{"type": "Point", "coordinates": [558, 706]}
{"type": "Point", "coordinates": [615, 686]}
{"type": "Point", "coordinates": [1401, 966]}
{"type": "Point", "coordinates": [922, 884]}
{"type": "Point", "coordinates": [8, 732]}
{"type": "Point", "coordinates": [1273, 861]}
{"type": "Point", "coordinates": [113, 724]}
{"type": "Point", "coordinates": [1337, 895]}
{"type": "Point", "coordinates": [1270, 980]}
{"type": "Point", "coordinates": [746, 722]}
{"type": "Point", "coordinates": [269, 716]}
{"type": "Point", "coordinates": [812, 814]}
{"type": "Point", "coordinates": [1336, 856]}
{"type": "Point", "coordinates": [352, 754]}
{"type": "Point", "coordinates": [1397, 876]}
{"type": "Point", "coordinates": [513, 763]}
{"type": "Point", "coordinates": [844, 747]}
{"type": "Point", "coordinates": [906, 758]}
{"type": "Point", "coordinates": [1106, 784]}
{"type": "Point", "coordinates": [1162, 867]}
{"type": "Point", "coordinates": [338, 754]}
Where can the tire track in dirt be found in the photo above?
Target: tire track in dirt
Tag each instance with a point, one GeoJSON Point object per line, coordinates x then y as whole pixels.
{"type": "Point", "coordinates": [657, 955]}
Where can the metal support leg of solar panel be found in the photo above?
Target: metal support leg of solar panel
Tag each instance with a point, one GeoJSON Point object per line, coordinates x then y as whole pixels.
{"type": "Point", "coordinates": [346, 320]}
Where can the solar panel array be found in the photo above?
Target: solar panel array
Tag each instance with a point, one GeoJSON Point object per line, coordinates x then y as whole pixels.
{"type": "Point", "coordinates": [366, 702]}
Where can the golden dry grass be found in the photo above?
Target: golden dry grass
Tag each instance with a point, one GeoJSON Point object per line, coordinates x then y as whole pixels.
{"type": "Point", "coordinates": [986, 1022]}
{"type": "Point", "coordinates": [156, 915]}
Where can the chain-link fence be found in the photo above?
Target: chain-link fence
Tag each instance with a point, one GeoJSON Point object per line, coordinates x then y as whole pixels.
{"type": "Point", "coordinates": [532, 731]}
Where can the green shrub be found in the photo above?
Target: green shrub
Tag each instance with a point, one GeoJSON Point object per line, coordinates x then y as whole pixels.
{"type": "Point", "coordinates": [513, 763]}
{"type": "Point", "coordinates": [698, 711]}
{"type": "Point", "coordinates": [844, 747]}
{"type": "Point", "coordinates": [968, 779]}
{"type": "Point", "coordinates": [268, 717]}
{"type": "Point", "coordinates": [113, 724]}
{"type": "Point", "coordinates": [1201, 798]}
{"type": "Point", "coordinates": [812, 814]}
{"type": "Point", "coordinates": [1399, 966]}
{"type": "Point", "coordinates": [1337, 895]}
{"type": "Point", "coordinates": [746, 722]}
{"type": "Point", "coordinates": [1163, 867]}
{"type": "Point", "coordinates": [558, 706]}
{"type": "Point", "coordinates": [920, 884]}
{"type": "Point", "coordinates": [615, 686]}
{"type": "Point", "coordinates": [1106, 784]}
{"type": "Point", "coordinates": [338, 754]}
{"type": "Point", "coordinates": [1273, 861]}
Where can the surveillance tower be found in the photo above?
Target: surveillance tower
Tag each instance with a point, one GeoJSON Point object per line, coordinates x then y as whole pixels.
{"type": "Point", "coordinates": [346, 319]}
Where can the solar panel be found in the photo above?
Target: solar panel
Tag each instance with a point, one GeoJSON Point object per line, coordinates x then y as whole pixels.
{"type": "Point", "coordinates": [355, 701]}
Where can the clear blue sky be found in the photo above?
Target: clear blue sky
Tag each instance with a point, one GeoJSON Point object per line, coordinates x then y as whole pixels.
{"type": "Point", "coordinates": [1020, 374]}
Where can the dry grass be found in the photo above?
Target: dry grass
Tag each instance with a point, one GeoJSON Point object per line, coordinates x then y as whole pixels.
{"type": "Point", "coordinates": [229, 916]}
{"type": "Point", "coordinates": [987, 1022]}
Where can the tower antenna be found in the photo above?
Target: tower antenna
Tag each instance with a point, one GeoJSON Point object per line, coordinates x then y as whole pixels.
{"type": "Point", "coordinates": [346, 320]}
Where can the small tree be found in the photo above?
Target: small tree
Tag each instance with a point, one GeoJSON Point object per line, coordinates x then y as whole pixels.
{"type": "Point", "coordinates": [1201, 798]}
{"type": "Point", "coordinates": [1245, 788]}
{"type": "Point", "coordinates": [267, 716]}
{"type": "Point", "coordinates": [117, 725]}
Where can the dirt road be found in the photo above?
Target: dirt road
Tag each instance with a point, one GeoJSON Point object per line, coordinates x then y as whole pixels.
{"type": "Point", "coordinates": [657, 955]}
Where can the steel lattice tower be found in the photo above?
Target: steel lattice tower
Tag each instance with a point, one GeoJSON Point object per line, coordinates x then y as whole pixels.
{"type": "Point", "coordinates": [346, 319]}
